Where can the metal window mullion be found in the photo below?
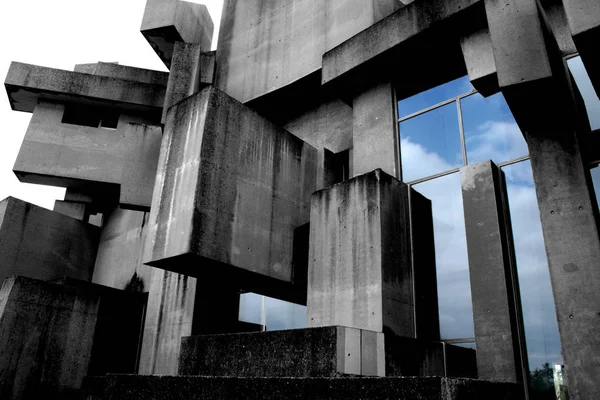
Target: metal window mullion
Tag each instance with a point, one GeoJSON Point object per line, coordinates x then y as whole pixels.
{"type": "Point", "coordinates": [425, 110]}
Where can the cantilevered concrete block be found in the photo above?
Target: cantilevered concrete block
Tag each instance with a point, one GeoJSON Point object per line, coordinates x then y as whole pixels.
{"type": "Point", "coordinates": [360, 273]}
{"type": "Point", "coordinates": [115, 70]}
{"type": "Point", "coordinates": [497, 315]}
{"type": "Point", "coordinates": [313, 352]}
{"type": "Point", "coordinates": [168, 21]}
{"type": "Point", "coordinates": [231, 188]}
{"type": "Point", "coordinates": [478, 52]}
{"type": "Point", "coordinates": [43, 244]}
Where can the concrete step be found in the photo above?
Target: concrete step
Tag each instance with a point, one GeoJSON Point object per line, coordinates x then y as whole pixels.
{"type": "Point", "coordinates": [138, 387]}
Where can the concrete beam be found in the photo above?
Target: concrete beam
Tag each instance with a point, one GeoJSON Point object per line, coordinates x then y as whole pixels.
{"type": "Point", "coordinates": [27, 84]}
{"type": "Point", "coordinates": [497, 314]}
{"type": "Point", "coordinates": [115, 70]}
{"type": "Point", "coordinates": [39, 243]}
{"type": "Point", "coordinates": [375, 131]}
{"type": "Point", "coordinates": [584, 20]}
{"type": "Point", "coordinates": [166, 22]}
{"type": "Point", "coordinates": [71, 209]}
{"type": "Point", "coordinates": [478, 53]}
{"type": "Point", "coordinates": [230, 190]}
{"type": "Point", "coordinates": [360, 273]}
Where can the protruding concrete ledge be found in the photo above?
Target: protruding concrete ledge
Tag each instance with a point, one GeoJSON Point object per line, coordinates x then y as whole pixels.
{"type": "Point", "coordinates": [170, 21]}
{"type": "Point", "coordinates": [329, 351]}
{"type": "Point", "coordinates": [26, 84]}
{"type": "Point", "coordinates": [136, 387]}
{"type": "Point", "coordinates": [115, 70]}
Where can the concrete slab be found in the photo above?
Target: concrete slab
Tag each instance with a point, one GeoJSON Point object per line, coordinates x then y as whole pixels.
{"type": "Point", "coordinates": [26, 84]}
{"type": "Point", "coordinates": [478, 52]}
{"type": "Point", "coordinates": [230, 190]}
{"type": "Point", "coordinates": [43, 244]}
{"type": "Point", "coordinates": [497, 314]}
{"type": "Point", "coordinates": [71, 209]}
{"type": "Point", "coordinates": [312, 352]}
{"type": "Point", "coordinates": [167, 22]}
{"type": "Point", "coordinates": [116, 70]}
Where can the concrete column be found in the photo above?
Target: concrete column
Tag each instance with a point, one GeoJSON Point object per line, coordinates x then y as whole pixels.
{"type": "Point", "coordinates": [360, 272]}
{"type": "Point", "coordinates": [572, 244]}
{"type": "Point", "coordinates": [501, 352]}
{"type": "Point", "coordinates": [375, 131]}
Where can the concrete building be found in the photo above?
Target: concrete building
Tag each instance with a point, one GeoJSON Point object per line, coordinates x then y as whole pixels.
{"type": "Point", "coordinates": [409, 183]}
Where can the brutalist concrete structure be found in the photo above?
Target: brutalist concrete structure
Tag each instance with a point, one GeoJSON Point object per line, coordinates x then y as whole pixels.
{"type": "Point", "coordinates": [277, 165]}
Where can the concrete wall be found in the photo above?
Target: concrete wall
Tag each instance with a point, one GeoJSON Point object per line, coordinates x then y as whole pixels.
{"type": "Point", "coordinates": [230, 190]}
{"type": "Point", "coordinates": [46, 338]}
{"type": "Point", "coordinates": [42, 244]}
{"type": "Point", "coordinates": [266, 44]}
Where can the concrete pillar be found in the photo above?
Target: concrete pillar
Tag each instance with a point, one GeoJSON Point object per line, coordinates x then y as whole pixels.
{"type": "Point", "coordinates": [360, 272]}
{"type": "Point", "coordinates": [184, 76]}
{"type": "Point", "coordinates": [375, 131]}
{"type": "Point", "coordinates": [501, 351]}
{"type": "Point", "coordinates": [572, 244]}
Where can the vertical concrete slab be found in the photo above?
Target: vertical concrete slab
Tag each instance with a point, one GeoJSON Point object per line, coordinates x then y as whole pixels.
{"type": "Point", "coordinates": [360, 272]}
{"type": "Point", "coordinates": [43, 244]}
{"type": "Point", "coordinates": [375, 131]}
{"type": "Point", "coordinates": [372, 362]}
{"type": "Point", "coordinates": [570, 228]}
{"type": "Point", "coordinates": [142, 148]}
{"type": "Point", "coordinates": [501, 351]}
{"type": "Point", "coordinates": [478, 52]}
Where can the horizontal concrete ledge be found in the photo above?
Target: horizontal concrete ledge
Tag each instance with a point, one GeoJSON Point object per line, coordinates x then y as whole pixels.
{"type": "Point", "coordinates": [26, 84]}
{"type": "Point", "coordinates": [138, 387]}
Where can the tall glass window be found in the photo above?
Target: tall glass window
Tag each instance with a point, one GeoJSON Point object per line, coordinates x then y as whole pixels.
{"type": "Point", "coordinates": [437, 139]}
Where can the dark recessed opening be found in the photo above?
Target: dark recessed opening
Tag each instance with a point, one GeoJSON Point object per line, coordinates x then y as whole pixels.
{"type": "Point", "coordinates": [95, 117]}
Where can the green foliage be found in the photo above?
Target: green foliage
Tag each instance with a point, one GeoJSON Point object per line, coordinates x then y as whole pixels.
{"type": "Point", "coordinates": [542, 383]}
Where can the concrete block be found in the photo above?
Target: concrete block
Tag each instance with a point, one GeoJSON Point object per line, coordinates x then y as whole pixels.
{"type": "Point", "coordinates": [497, 314]}
{"type": "Point", "coordinates": [131, 387]}
{"type": "Point", "coordinates": [313, 352]}
{"type": "Point", "coordinates": [115, 70]}
{"type": "Point", "coordinates": [140, 159]}
{"type": "Point", "coordinates": [26, 84]}
{"type": "Point", "coordinates": [230, 190]}
{"type": "Point", "coordinates": [208, 66]}
{"type": "Point", "coordinates": [167, 22]}
{"type": "Point", "coordinates": [71, 209]}
{"type": "Point", "coordinates": [478, 52]}
{"type": "Point", "coordinates": [43, 244]}
{"type": "Point", "coordinates": [184, 76]}
{"type": "Point", "coordinates": [360, 273]}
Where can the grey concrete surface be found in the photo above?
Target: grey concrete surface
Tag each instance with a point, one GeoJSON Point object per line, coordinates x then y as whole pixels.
{"type": "Point", "coordinates": [26, 84]}
{"type": "Point", "coordinates": [168, 21]}
{"type": "Point", "coordinates": [312, 352]}
{"type": "Point", "coordinates": [71, 209]}
{"type": "Point", "coordinates": [115, 70]}
{"type": "Point", "coordinates": [130, 387]}
{"type": "Point", "coordinates": [230, 190]}
{"type": "Point", "coordinates": [478, 52]}
{"type": "Point", "coordinates": [265, 44]}
{"type": "Point", "coordinates": [43, 244]}
{"type": "Point", "coordinates": [360, 273]}
{"type": "Point", "coordinates": [497, 314]}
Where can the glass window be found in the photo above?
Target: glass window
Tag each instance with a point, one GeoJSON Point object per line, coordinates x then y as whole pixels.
{"type": "Point", "coordinates": [491, 132]}
{"type": "Point", "coordinates": [595, 172]}
{"type": "Point", "coordinates": [434, 96]}
{"type": "Point", "coordinates": [430, 143]}
{"type": "Point", "coordinates": [276, 314]}
{"type": "Point", "coordinates": [590, 98]}
{"type": "Point", "coordinates": [541, 328]}
{"type": "Point", "coordinates": [454, 288]}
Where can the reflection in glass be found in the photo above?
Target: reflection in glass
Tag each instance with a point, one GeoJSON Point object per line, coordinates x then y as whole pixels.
{"type": "Point", "coordinates": [541, 328]}
{"type": "Point", "coordinates": [590, 98]}
{"type": "Point", "coordinates": [454, 288]}
{"type": "Point", "coordinates": [595, 172]}
{"type": "Point", "coordinates": [491, 132]}
{"type": "Point", "coordinates": [278, 314]}
{"type": "Point", "coordinates": [434, 96]}
{"type": "Point", "coordinates": [430, 143]}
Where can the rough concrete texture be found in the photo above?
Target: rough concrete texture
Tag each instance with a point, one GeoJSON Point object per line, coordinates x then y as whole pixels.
{"type": "Point", "coordinates": [584, 20]}
{"type": "Point", "coordinates": [43, 244]}
{"type": "Point", "coordinates": [46, 338]}
{"type": "Point", "coordinates": [360, 272]}
{"type": "Point", "coordinates": [417, 357]}
{"type": "Point", "coordinates": [184, 76]}
{"type": "Point", "coordinates": [497, 314]}
{"type": "Point", "coordinates": [375, 131]}
{"type": "Point", "coordinates": [69, 155]}
{"type": "Point", "coordinates": [511, 23]}
{"type": "Point", "coordinates": [115, 70]}
{"type": "Point", "coordinates": [71, 209]}
{"type": "Point", "coordinates": [312, 352]}
{"type": "Point", "coordinates": [230, 190]}
{"type": "Point", "coordinates": [478, 52]}
{"type": "Point", "coordinates": [131, 387]}
{"type": "Point", "coordinates": [26, 84]}
{"type": "Point", "coordinates": [141, 145]}
{"type": "Point", "coordinates": [267, 44]}
{"type": "Point", "coordinates": [557, 19]}
{"type": "Point", "coordinates": [570, 230]}
{"type": "Point", "coordinates": [168, 21]}
{"type": "Point", "coordinates": [388, 33]}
